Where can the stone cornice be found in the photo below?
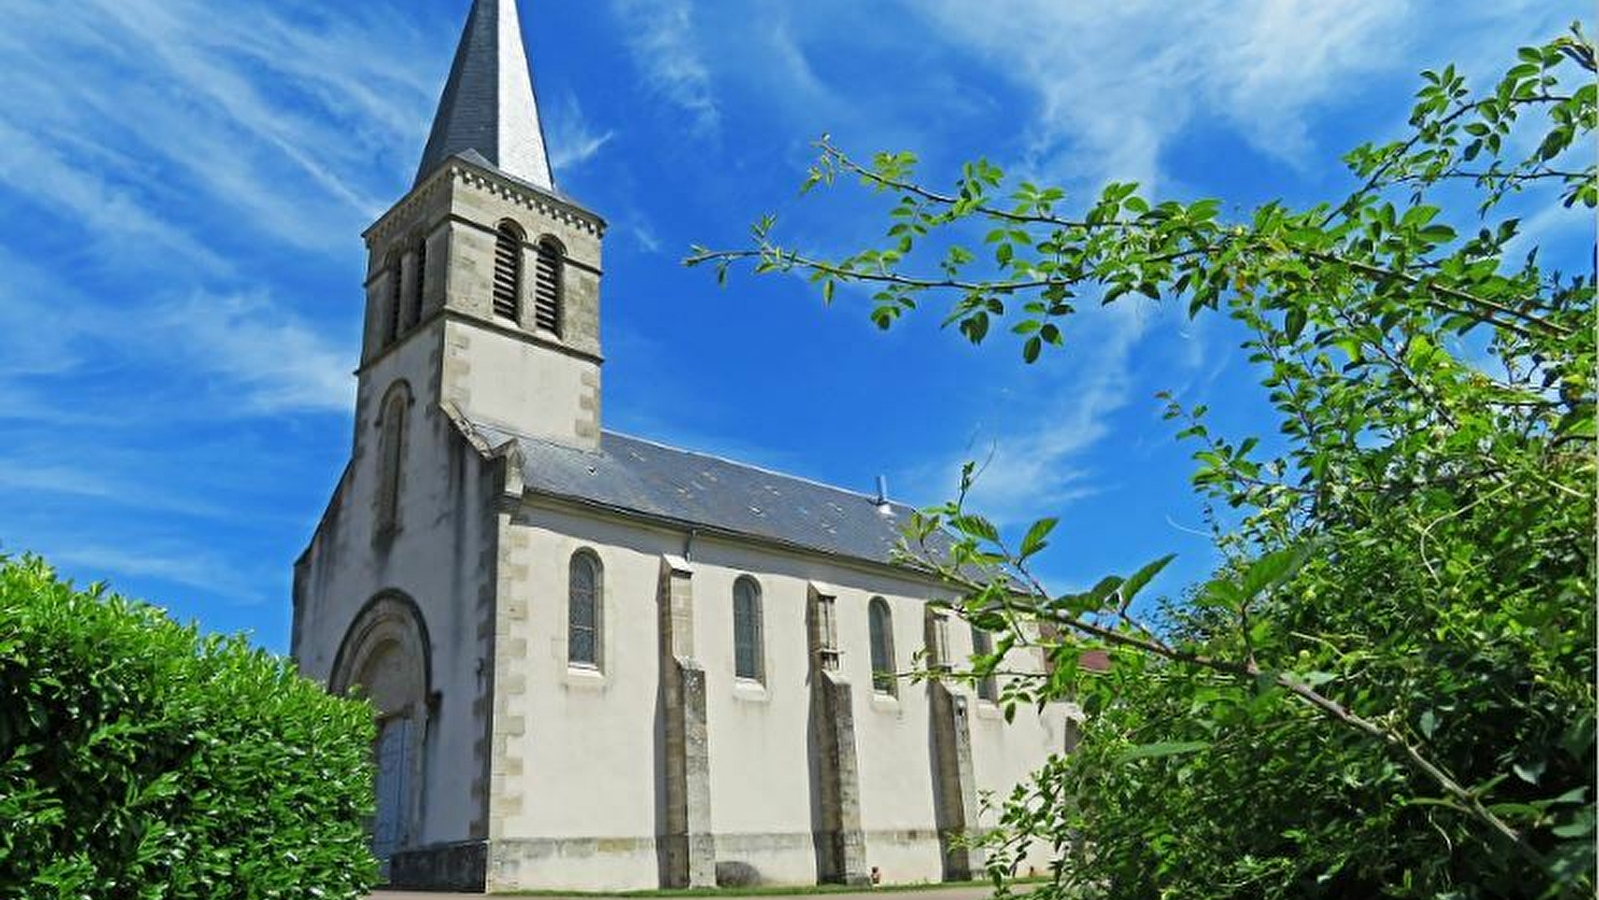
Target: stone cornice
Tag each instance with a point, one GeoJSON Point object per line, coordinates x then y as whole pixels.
{"type": "Point", "coordinates": [389, 223]}
{"type": "Point", "coordinates": [483, 178]}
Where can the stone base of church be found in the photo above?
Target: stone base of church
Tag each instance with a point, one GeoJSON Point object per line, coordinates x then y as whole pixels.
{"type": "Point", "coordinates": [740, 860]}
{"type": "Point", "coordinates": [578, 863]}
{"type": "Point", "coordinates": [441, 867]}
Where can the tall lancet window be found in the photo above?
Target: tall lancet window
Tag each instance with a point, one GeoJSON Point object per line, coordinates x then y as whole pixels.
{"type": "Point", "coordinates": [550, 263]}
{"type": "Point", "coordinates": [881, 622]}
{"type": "Point", "coordinates": [584, 611]}
{"type": "Point", "coordinates": [748, 655]}
{"type": "Point", "coordinates": [391, 457]}
{"type": "Point", "coordinates": [508, 272]}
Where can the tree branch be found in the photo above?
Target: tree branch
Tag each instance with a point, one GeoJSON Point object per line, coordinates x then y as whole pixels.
{"type": "Point", "coordinates": [1329, 707]}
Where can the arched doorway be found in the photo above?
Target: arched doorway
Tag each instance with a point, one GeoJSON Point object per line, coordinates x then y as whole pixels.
{"type": "Point", "coordinates": [387, 655]}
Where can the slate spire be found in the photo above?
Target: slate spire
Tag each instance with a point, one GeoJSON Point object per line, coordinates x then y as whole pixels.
{"type": "Point", "coordinates": [488, 103]}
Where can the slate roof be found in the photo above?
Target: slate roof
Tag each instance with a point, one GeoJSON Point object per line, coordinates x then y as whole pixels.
{"type": "Point", "coordinates": [638, 476]}
{"type": "Point", "coordinates": [489, 103]}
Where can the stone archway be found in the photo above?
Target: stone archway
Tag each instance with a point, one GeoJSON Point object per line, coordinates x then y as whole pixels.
{"type": "Point", "coordinates": [387, 655]}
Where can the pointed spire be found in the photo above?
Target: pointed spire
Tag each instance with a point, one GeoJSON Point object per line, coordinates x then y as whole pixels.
{"type": "Point", "coordinates": [488, 103]}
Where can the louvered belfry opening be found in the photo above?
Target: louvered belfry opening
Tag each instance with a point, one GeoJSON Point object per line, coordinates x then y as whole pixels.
{"type": "Point", "coordinates": [413, 315]}
{"type": "Point", "coordinates": [508, 272]}
{"type": "Point", "coordinates": [391, 326]}
{"type": "Point", "coordinates": [547, 287]}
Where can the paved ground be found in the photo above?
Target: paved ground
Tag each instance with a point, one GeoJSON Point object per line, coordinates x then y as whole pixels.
{"type": "Point", "coordinates": [974, 892]}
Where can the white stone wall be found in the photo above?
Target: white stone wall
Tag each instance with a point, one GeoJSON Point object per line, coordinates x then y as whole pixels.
{"type": "Point", "coordinates": [435, 558]}
{"type": "Point", "coordinates": [502, 379]}
{"type": "Point", "coordinates": [586, 789]}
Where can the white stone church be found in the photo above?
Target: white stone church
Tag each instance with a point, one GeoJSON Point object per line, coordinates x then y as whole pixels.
{"type": "Point", "coordinates": [600, 662]}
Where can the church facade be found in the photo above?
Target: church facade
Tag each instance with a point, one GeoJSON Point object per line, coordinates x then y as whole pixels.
{"type": "Point", "coordinates": [600, 662]}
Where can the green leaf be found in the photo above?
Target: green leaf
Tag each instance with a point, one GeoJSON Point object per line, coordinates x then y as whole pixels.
{"type": "Point", "coordinates": [1093, 599]}
{"type": "Point", "coordinates": [1139, 579]}
{"type": "Point", "coordinates": [1437, 234]}
{"type": "Point", "coordinates": [1316, 679]}
{"type": "Point", "coordinates": [1037, 536]}
{"type": "Point", "coordinates": [1579, 825]}
{"type": "Point", "coordinates": [1295, 324]}
{"type": "Point", "coordinates": [1273, 569]}
{"type": "Point", "coordinates": [976, 526]}
{"type": "Point", "coordinates": [1530, 772]}
{"type": "Point", "coordinates": [1219, 594]}
{"type": "Point", "coordinates": [1164, 748]}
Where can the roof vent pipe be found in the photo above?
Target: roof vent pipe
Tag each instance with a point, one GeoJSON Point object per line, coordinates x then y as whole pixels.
{"type": "Point", "coordinates": [882, 490]}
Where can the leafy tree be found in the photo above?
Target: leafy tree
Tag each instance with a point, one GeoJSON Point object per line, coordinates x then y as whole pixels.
{"type": "Point", "coordinates": [1387, 689]}
{"type": "Point", "coordinates": [141, 760]}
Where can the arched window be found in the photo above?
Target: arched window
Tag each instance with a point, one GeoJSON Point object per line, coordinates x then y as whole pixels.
{"type": "Point", "coordinates": [547, 285]}
{"type": "Point", "coordinates": [882, 634]}
{"type": "Point", "coordinates": [584, 610]}
{"type": "Point", "coordinates": [391, 456]}
{"type": "Point", "coordinates": [749, 656]}
{"type": "Point", "coordinates": [508, 272]}
{"type": "Point", "coordinates": [391, 314]}
{"type": "Point", "coordinates": [983, 645]}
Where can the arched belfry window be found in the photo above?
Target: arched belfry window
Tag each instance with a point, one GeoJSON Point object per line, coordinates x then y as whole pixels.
{"type": "Point", "coordinates": [391, 456]}
{"type": "Point", "coordinates": [550, 262]}
{"type": "Point", "coordinates": [881, 623]}
{"type": "Point", "coordinates": [585, 607]}
{"type": "Point", "coordinates": [983, 645]}
{"type": "Point", "coordinates": [508, 271]}
{"type": "Point", "coordinates": [419, 280]}
{"type": "Point", "coordinates": [749, 656]}
{"type": "Point", "coordinates": [391, 312]}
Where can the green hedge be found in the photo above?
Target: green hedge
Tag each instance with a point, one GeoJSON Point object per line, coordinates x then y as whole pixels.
{"type": "Point", "coordinates": [139, 759]}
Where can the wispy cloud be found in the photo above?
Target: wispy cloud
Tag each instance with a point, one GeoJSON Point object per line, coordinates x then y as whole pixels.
{"type": "Point", "coordinates": [662, 38]}
{"type": "Point", "coordinates": [1115, 84]}
{"type": "Point", "coordinates": [230, 355]}
{"type": "Point", "coordinates": [114, 217]}
{"type": "Point", "coordinates": [271, 359]}
{"type": "Point", "coordinates": [177, 564]}
{"type": "Point", "coordinates": [639, 229]}
{"type": "Point", "coordinates": [277, 121]}
{"type": "Point", "coordinates": [51, 474]}
{"type": "Point", "coordinates": [1036, 449]}
{"type": "Point", "coordinates": [573, 139]}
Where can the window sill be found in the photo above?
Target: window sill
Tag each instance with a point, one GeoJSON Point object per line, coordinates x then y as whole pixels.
{"type": "Point", "coordinates": [750, 691]}
{"type": "Point", "coordinates": [585, 677]}
{"type": "Point", "coordinates": [884, 702]}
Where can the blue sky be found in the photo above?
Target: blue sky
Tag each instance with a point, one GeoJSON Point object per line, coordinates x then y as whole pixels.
{"type": "Point", "coordinates": [183, 185]}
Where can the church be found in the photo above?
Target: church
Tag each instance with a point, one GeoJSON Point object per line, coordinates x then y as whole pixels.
{"type": "Point", "coordinates": [600, 662]}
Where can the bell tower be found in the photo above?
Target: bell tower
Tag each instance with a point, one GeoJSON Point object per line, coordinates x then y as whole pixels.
{"type": "Point", "coordinates": [483, 282]}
